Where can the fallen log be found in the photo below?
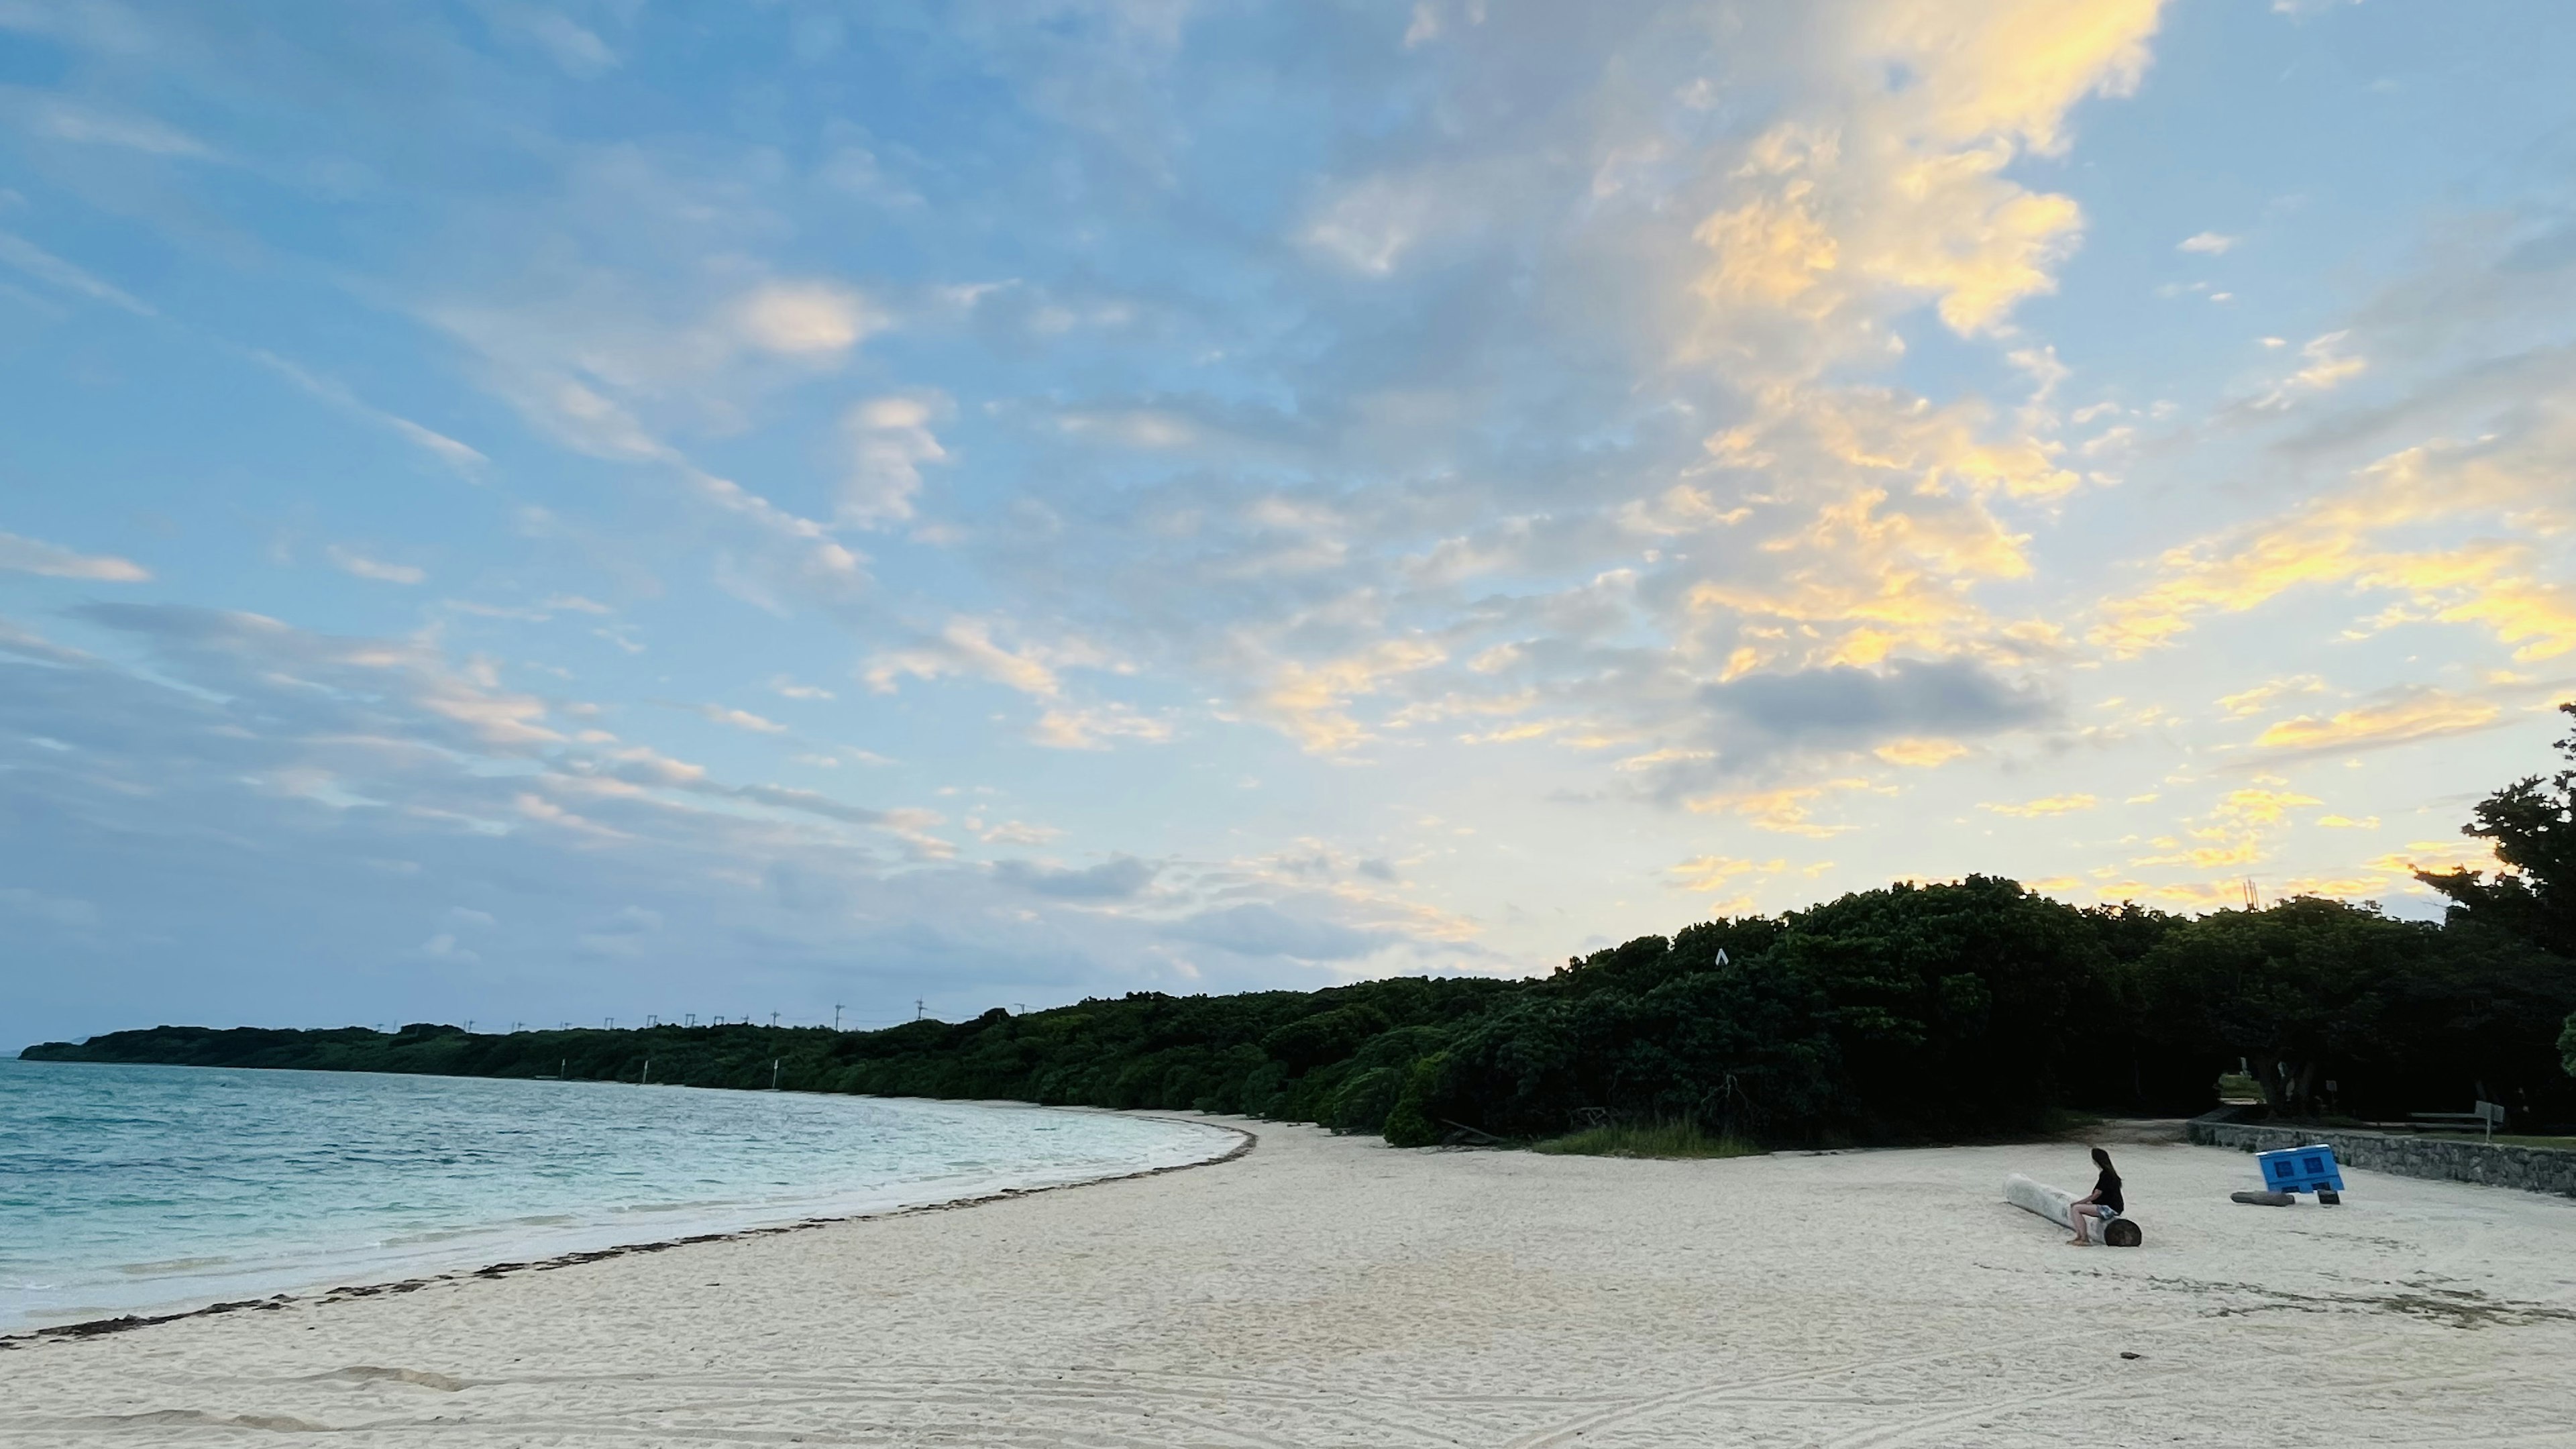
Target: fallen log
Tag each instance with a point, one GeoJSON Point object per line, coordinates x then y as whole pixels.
{"type": "Point", "coordinates": [2264, 1199]}
{"type": "Point", "coordinates": [2057, 1205]}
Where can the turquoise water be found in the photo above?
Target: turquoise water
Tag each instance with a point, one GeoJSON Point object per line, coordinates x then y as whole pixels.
{"type": "Point", "coordinates": [149, 1189]}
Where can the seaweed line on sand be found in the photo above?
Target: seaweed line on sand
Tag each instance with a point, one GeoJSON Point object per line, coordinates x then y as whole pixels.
{"type": "Point", "coordinates": [96, 1327]}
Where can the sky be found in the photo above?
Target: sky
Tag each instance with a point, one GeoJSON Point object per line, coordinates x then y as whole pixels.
{"type": "Point", "coordinates": [611, 509]}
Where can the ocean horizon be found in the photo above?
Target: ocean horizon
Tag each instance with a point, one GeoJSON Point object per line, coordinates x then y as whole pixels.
{"type": "Point", "coordinates": [156, 1189]}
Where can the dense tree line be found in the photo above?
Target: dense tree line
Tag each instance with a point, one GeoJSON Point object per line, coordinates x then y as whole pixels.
{"type": "Point", "coordinates": [1909, 1013]}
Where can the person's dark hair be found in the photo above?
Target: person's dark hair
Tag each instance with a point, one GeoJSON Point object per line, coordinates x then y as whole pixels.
{"type": "Point", "coordinates": [2102, 1160]}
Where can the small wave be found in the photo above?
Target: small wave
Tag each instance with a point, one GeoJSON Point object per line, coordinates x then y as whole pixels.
{"type": "Point", "coordinates": [168, 1266]}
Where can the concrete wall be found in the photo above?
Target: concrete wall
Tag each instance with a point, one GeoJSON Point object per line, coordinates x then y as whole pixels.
{"type": "Point", "coordinates": [2535, 1169]}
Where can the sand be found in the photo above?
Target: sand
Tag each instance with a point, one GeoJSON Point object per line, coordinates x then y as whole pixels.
{"type": "Point", "coordinates": [1334, 1291]}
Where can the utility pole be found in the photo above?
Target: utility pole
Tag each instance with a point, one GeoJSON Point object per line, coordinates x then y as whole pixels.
{"type": "Point", "coordinates": [773, 1021]}
{"type": "Point", "coordinates": [918, 1012]}
{"type": "Point", "coordinates": [836, 1016]}
{"type": "Point", "coordinates": [469, 1026]}
{"type": "Point", "coordinates": [692, 1018]}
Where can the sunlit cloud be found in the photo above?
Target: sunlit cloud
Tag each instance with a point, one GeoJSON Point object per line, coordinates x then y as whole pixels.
{"type": "Point", "coordinates": [2424, 714]}
{"type": "Point", "coordinates": [2045, 806]}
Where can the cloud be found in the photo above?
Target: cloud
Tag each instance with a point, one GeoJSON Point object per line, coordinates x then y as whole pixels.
{"type": "Point", "coordinates": [2261, 697]}
{"type": "Point", "coordinates": [44, 266]}
{"type": "Point", "coordinates": [1719, 872]}
{"type": "Point", "coordinates": [1309, 702]}
{"type": "Point", "coordinates": [1116, 879]}
{"type": "Point", "coordinates": [1906, 194]}
{"type": "Point", "coordinates": [62, 120]}
{"type": "Point", "coordinates": [1787, 810]}
{"type": "Point", "coordinates": [1266, 930]}
{"type": "Point", "coordinates": [1921, 754]}
{"type": "Point", "coordinates": [447, 450]}
{"type": "Point", "coordinates": [2414, 715]}
{"type": "Point", "coordinates": [741, 719]}
{"type": "Point", "coordinates": [33, 556]}
{"type": "Point", "coordinates": [1847, 704]}
{"type": "Point", "coordinates": [2048, 805]}
{"type": "Point", "coordinates": [1093, 727]}
{"type": "Point", "coordinates": [578, 50]}
{"type": "Point", "coordinates": [2208, 243]}
{"type": "Point", "coordinates": [1013, 832]}
{"type": "Point", "coordinates": [807, 319]}
{"type": "Point", "coordinates": [2328, 366]}
{"type": "Point", "coordinates": [358, 565]}
{"type": "Point", "coordinates": [890, 440]}
{"type": "Point", "coordinates": [2237, 831]}
{"type": "Point", "coordinates": [2334, 537]}
{"type": "Point", "coordinates": [966, 646]}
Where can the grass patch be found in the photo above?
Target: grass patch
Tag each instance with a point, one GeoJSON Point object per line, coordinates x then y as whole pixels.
{"type": "Point", "coordinates": [1655, 1139]}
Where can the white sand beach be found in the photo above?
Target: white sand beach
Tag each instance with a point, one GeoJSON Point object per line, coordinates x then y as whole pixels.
{"type": "Point", "coordinates": [1333, 1291]}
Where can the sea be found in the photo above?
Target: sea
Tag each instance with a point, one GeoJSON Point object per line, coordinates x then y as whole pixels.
{"type": "Point", "coordinates": [148, 1189]}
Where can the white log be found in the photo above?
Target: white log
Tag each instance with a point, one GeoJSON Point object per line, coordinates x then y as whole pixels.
{"type": "Point", "coordinates": [2053, 1203]}
{"type": "Point", "coordinates": [2057, 1205]}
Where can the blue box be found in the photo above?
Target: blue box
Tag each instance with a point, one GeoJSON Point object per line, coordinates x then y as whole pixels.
{"type": "Point", "coordinates": [2301, 1169]}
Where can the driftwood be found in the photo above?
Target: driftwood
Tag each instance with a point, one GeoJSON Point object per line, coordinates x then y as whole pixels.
{"type": "Point", "coordinates": [2264, 1199]}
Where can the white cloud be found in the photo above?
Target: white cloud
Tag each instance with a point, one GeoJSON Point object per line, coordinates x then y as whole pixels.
{"type": "Point", "coordinates": [807, 319]}
{"type": "Point", "coordinates": [966, 646]}
{"type": "Point", "coordinates": [2328, 366]}
{"type": "Point", "coordinates": [2208, 243]}
{"type": "Point", "coordinates": [34, 556]}
{"type": "Point", "coordinates": [359, 565]}
{"type": "Point", "coordinates": [890, 439]}
{"type": "Point", "coordinates": [63, 120]}
{"type": "Point", "coordinates": [43, 265]}
{"type": "Point", "coordinates": [742, 719]}
{"type": "Point", "coordinates": [446, 449]}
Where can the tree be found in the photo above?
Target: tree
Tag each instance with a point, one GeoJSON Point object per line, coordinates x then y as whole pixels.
{"type": "Point", "coordinates": [2532, 823]}
{"type": "Point", "coordinates": [2532, 826]}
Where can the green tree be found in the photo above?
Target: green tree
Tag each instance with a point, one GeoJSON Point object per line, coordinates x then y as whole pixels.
{"type": "Point", "coordinates": [2531, 824]}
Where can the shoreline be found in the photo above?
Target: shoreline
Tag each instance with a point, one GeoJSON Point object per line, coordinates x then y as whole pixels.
{"type": "Point", "coordinates": [129, 1322]}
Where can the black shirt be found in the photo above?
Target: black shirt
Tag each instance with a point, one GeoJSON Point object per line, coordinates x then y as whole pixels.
{"type": "Point", "coordinates": [2107, 1192]}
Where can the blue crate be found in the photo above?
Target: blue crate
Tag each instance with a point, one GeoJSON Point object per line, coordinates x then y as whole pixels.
{"type": "Point", "coordinates": [2301, 1169]}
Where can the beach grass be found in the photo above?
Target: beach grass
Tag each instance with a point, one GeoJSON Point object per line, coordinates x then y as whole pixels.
{"type": "Point", "coordinates": [1648, 1139]}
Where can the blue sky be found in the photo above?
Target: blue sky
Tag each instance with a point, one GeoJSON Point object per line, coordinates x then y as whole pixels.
{"type": "Point", "coordinates": [535, 512]}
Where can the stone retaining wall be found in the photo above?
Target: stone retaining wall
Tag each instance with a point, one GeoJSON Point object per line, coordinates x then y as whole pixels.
{"type": "Point", "coordinates": [2534, 1169]}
